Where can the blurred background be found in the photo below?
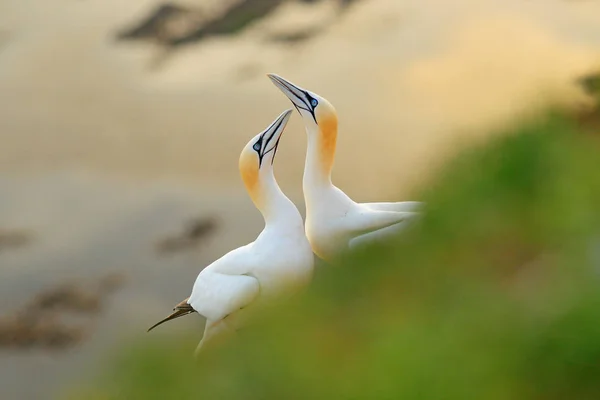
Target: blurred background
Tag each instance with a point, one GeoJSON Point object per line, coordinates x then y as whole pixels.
{"type": "Point", "coordinates": [121, 124]}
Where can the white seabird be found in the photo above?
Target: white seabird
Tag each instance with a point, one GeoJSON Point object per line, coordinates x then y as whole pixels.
{"type": "Point", "coordinates": [277, 264]}
{"type": "Point", "coordinates": [334, 222]}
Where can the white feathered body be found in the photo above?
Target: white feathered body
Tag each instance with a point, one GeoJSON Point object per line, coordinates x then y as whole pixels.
{"type": "Point", "coordinates": [278, 264]}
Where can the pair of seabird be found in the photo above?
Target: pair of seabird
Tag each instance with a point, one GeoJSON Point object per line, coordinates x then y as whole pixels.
{"type": "Point", "coordinates": [280, 261]}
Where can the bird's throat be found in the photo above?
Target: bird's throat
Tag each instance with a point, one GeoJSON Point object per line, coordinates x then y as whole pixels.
{"type": "Point", "coordinates": [327, 144]}
{"type": "Point", "coordinates": [320, 154]}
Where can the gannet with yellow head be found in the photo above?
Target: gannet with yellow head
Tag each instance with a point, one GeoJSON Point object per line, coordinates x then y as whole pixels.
{"type": "Point", "coordinates": [277, 264]}
{"type": "Point", "coordinates": [334, 222]}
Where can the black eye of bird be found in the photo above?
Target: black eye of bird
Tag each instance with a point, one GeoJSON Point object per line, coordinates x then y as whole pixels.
{"type": "Point", "coordinates": [257, 146]}
{"type": "Point", "coordinates": [314, 103]}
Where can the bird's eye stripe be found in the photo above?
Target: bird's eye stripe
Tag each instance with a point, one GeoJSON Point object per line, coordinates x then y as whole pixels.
{"type": "Point", "coordinates": [297, 92]}
{"type": "Point", "coordinates": [299, 98]}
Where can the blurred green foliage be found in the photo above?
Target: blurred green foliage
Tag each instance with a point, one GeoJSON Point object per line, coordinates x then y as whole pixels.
{"type": "Point", "coordinates": [591, 83]}
{"type": "Point", "coordinates": [495, 295]}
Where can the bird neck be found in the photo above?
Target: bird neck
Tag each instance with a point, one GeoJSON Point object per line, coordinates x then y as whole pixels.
{"type": "Point", "coordinates": [320, 156]}
{"type": "Point", "coordinates": [273, 204]}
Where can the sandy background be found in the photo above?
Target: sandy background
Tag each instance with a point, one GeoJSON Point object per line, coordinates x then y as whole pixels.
{"type": "Point", "coordinates": [104, 150]}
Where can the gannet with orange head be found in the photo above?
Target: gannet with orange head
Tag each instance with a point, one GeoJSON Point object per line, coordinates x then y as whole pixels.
{"type": "Point", "coordinates": [277, 264]}
{"type": "Point", "coordinates": [334, 222]}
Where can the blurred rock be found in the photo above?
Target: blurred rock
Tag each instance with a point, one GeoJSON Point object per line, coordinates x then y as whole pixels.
{"type": "Point", "coordinates": [39, 325]}
{"type": "Point", "coordinates": [173, 25]}
{"type": "Point", "coordinates": [167, 23]}
{"type": "Point", "coordinates": [14, 238]}
{"type": "Point", "coordinates": [69, 297]}
{"type": "Point", "coordinates": [591, 84]}
{"type": "Point", "coordinates": [23, 331]}
{"type": "Point", "coordinates": [110, 283]}
{"type": "Point", "coordinates": [196, 231]}
{"type": "Point", "coordinates": [294, 37]}
{"type": "Point", "coordinates": [589, 118]}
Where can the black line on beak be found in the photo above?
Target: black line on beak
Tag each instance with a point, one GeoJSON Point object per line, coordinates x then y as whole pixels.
{"type": "Point", "coordinates": [273, 128]}
{"type": "Point", "coordinates": [289, 86]}
{"type": "Point", "coordinates": [275, 149]}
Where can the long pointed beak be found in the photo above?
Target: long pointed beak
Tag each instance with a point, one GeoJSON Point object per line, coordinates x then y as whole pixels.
{"type": "Point", "coordinates": [179, 311]}
{"type": "Point", "coordinates": [273, 133]}
{"type": "Point", "coordinates": [296, 95]}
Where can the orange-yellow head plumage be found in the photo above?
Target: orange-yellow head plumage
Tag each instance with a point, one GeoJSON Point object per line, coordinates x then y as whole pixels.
{"type": "Point", "coordinates": [249, 171]}
{"type": "Point", "coordinates": [320, 119]}
{"type": "Point", "coordinates": [256, 158]}
{"type": "Point", "coordinates": [327, 123]}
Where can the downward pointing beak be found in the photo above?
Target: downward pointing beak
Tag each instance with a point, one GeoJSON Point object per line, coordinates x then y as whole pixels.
{"type": "Point", "coordinates": [180, 310]}
{"type": "Point", "coordinates": [296, 95]}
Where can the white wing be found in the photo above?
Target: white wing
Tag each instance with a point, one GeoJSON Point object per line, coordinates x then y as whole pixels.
{"type": "Point", "coordinates": [364, 220]}
{"type": "Point", "coordinates": [216, 295]}
{"type": "Point", "coordinates": [403, 206]}
{"type": "Point", "coordinates": [364, 239]}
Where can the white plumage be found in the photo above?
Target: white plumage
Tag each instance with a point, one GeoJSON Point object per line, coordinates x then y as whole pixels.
{"type": "Point", "coordinates": [277, 264]}
{"type": "Point", "coordinates": [334, 222]}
